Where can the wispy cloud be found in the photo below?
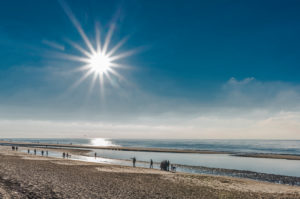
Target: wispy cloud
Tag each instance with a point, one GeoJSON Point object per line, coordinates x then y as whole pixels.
{"type": "Point", "coordinates": [54, 44]}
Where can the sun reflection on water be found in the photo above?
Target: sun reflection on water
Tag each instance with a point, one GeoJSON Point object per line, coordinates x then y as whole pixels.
{"type": "Point", "coordinates": [101, 142]}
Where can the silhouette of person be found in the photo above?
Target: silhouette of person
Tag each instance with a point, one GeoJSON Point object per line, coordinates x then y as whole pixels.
{"type": "Point", "coordinates": [168, 165]}
{"type": "Point", "coordinates": [28, 151]}
{"type": "Point", "coordinates": [133, 161]}
{"type": "Point", "coordinates": [151, 164]}
{"type": "Point", "coordinates": [95, 154]}
{"type": "Point", "coordinates": [42, 153]}
{"type": "Point", "coordinates": [46, 153]}
{"type": "Point", "coordinates": [34, 151]}
{"type": "Point", "coordinates": [64, 155]}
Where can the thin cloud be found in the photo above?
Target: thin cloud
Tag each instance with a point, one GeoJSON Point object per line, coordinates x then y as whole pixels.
{"type": "Point", "coordinates": [54, 45]}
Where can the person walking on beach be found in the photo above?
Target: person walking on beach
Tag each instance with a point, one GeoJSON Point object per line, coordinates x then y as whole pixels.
{"type": "Point", "coordinates": [151, 164]}
{"type": "Point", "coordinates": [34, 151]}
{"type": "Point", "coordinates": [46, 153]}
{"type": "Point", "coordinates": [16, 148]}
{"type": "Point", "coordinates": [95, 154]}
{"type": "Point", "coordinates": [64, 155]}
{"type": "Point", "coordinates": [42, 153]}
{"type": "Point", "coordinates": [133, 161]}
{"type": "Point", "coordinates": [28, 151]}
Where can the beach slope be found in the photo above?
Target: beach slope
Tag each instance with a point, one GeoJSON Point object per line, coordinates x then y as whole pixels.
{"type": "Point", "coordinates": [29, 176]}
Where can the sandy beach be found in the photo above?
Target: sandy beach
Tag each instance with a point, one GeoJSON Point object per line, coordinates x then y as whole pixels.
{"type": "Point", "coordinates": [30, 176]}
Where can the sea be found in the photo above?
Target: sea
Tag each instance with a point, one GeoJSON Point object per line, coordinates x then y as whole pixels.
{"type": "Point", "coordinates": [291, 147]}
{"type": "Point", "coordinates": [187, 161]}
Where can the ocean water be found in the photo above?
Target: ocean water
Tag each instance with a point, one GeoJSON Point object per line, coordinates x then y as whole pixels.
{"type": "Point", "coordinates": [236, 146]}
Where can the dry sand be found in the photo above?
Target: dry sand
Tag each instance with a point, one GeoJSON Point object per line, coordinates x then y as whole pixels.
{"type": "Point", "coordinates": [29, 176]}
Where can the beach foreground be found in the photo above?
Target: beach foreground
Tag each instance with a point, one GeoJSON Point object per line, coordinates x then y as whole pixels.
{"type": "Point", "coordinates": [29, 176]}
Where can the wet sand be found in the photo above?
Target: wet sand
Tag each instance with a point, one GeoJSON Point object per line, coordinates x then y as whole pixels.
{"type": "Point", "coordinates": [272, 156]}
{"type": "Point", "coordinates": [279, 179]}
{"type": "Point", "coordinates": [30, 176]}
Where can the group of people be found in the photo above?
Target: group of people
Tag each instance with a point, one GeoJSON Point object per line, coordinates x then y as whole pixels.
{"type": "Point", "coordinates": [66, 155]}
{"type": "Point", "coordinates": [34, 151]}
{"type": "Point", "coordinates": [164, 165]}
{"type": "Point", "coordinates": [14, 148]}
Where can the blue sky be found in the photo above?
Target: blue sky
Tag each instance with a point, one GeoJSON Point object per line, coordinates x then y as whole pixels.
{"type": "Point", "coordinates": [210, 69]}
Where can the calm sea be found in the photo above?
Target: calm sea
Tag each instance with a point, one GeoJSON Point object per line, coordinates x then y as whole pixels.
{"type": "Point", "coordinates": [237, 146]}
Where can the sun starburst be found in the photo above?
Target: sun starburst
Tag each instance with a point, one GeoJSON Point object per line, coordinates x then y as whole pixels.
{"type": "Point", "coordinates": [99, 61]}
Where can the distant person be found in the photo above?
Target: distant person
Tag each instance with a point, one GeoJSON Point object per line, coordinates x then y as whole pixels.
{"type": "Point", "coordinates": [67, 155]}
{"type": "Point", "coordinates": [34, 151]}
{"type": "Point", "coordinates": [173, 168]}
{"type": "Point", "coordinates": [168, 165]}
{"type": "Point", "coordinates": [64, 155]}
{"type": "Point", "coordinates": [28, 151]}
{"type": "Point", "coordinates": [46, 153]}
{"type": "Point", "coordinates": [133, 161]}
{"type": "Point", "coordinates": [95, 154]}
{"type": "Point", "coordinates": [151, 164]}
{"type": "Point", "coordinates": [12, 148]}
{"type": "Point", "coordinates": [16, 148]}
{"type": "Point", "coordinates": [42, 152]}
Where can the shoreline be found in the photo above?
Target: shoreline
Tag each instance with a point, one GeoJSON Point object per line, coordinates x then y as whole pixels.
{"type": "Point", "coordinates": [30, 176]}
{"type": "Point", "coordinates": [48, 145]}
{"type": "Point", "coordinates": [269, 155]}
{"type": "Point", "coordinates": [245, 174]}
{"type": "Point", "coordinates": [141, 149]}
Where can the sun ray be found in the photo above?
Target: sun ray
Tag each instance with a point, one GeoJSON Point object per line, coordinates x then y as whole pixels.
{"type": "Point", "coordinates": [78, 47]}
{"type": "Point", "coordinates": [108, 38]}
{"type": "Point", "coordinates": [122, 55]}
{"type": "Point", "coordinates": [93, 83]}
{"type": "Point", "coordinates": [78, 82]}
{"type": "Point", "coordinates": [77, 25]}
{"type": "Point", "coordinates": [101, 88]}
{"type": "Point", "coordinates": [116, 47]}
{"type": "Point", "coordinates": [107, 75]}
{"type": "Point", "coordinates": [98, 38]}
{"type": "Point", "coordinates": [71, 57]}
{"type": "Point", "coordinates": [116, 73]}
{"type": "Point", "coordinates": [82, 68]}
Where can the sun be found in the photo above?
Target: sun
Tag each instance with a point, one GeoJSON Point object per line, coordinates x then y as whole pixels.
{"type": "Point", "coordinates": [99, 63]}
{"type": "Point", "coordinates": [99, 59]}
